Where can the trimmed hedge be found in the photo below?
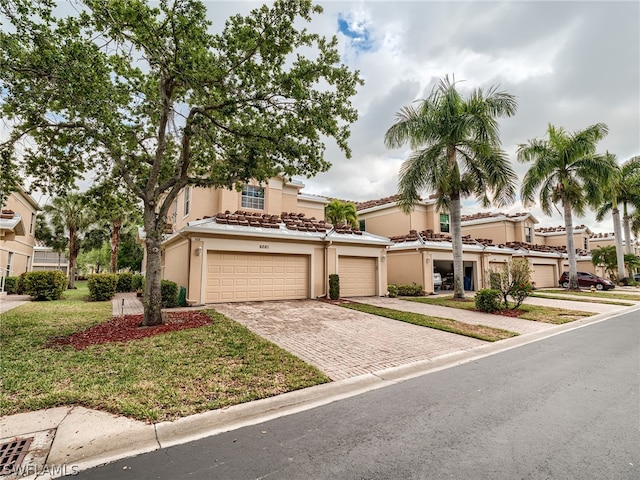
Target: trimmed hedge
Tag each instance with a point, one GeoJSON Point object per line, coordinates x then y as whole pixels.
{"type": "Point", "coordinates": [169, 291]}
{"type": "Point", "coordinates": [413, 290]}
{"type": "Point", "coordinates": [125, 281]}
{"type": "Point", "coordinates": [392, 290]}
{"type": "Point", "coordinates": [45, 285]}
{"type": "Point", "coordinates": [334, 286]}
{"type": "Point", "coordinates": [102, 286]}
{"type": "Point", "coordinates": [11, 285]}
{"type": "Point", "coordinates": [137, 282]}
{"type": "Point", "coordinates": [488, 300]}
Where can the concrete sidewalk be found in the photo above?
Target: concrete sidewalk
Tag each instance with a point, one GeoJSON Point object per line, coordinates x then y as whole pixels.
{"type": "Point", "coordinates": [65, 440]}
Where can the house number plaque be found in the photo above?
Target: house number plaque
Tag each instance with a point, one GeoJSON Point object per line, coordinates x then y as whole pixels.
{"type": "Point", "coordinates": [264, 247]}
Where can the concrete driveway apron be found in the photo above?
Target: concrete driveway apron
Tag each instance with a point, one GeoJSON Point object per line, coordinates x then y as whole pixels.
{"type": "Point", "coordinates": [343, 343]}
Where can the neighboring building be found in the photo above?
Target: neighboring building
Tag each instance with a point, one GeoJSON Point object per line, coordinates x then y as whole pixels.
{"type": "Point", "coordinates": [17, 229]}
{"type": "Point", "coordinates": [266, 242]}
{"type": "Point", "coordinates": [384, 217]}
{"type": "Point", "coordinates": [500, 227]}
{"type": "Point", "coordinates": [597, 240]}
{"type": "Point", "coordinates": [44, 258]}
{"type": "Point", "coordinates": [557, 236]}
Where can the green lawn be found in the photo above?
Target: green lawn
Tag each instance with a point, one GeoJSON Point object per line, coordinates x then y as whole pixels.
{"type": "Point", "coordinates": [481, 332]}
{"type": "Point", "coordinates": [609, 294]}
{"type": "Point", "coordinates": [157, 378]}
{"type": "Point", "coordinates": [531, 312]}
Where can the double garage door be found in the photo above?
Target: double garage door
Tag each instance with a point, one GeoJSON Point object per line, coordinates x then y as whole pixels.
{"type": "Point", "coordinates": [242, 277]}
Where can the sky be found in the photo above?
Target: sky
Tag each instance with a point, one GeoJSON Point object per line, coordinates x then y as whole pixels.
{"type": "Point", "coordinates": [570, 64]}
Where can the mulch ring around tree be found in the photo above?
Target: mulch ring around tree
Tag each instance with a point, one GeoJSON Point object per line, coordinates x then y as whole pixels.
{"type": "Point", "coordinates": [124, 329]}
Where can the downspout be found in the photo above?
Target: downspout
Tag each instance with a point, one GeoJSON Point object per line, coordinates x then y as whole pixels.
{"type": "Point", "coordinates": [325, 281]}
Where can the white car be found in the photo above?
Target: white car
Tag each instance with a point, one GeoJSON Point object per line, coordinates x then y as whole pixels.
{"type": "Point", "coordinates": [437, 281]}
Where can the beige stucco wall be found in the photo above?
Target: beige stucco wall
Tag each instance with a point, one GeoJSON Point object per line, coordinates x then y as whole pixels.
{"type": "Point", "coordinates": [603, 242]}
{"type": "Point", "coordinates": [560, 240]}
{"type": "Point", "coordinates": [391, 221]}
{"type": "Point", "coordinates": [500, 231]}
{"type": "Point", "coordinates": [175, 265]}
{"type": "Point", "coordinates": [21, 246]}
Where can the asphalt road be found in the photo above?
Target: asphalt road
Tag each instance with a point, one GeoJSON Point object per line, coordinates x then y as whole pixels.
{"type": "Point", "coordinates": [567, 407]}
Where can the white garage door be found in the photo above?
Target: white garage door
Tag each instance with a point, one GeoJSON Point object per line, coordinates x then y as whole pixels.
{"type": "Point", "coordinates": [544, 276]}
{"type": "Point", "coordinates": [241, 277]}
{"type": "Point", "coordinates": [357, 276]}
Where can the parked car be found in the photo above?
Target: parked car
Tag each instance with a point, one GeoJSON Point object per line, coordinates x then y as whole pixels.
{"type": "Point", "coordinates": [437, 281]}
{"type": "Point", "coordinates": [587, 280]}
{"type": "Point", "coordinates": [636, 277]}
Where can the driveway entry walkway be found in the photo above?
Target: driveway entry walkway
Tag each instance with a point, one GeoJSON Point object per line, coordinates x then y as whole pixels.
{"type": "Point", "coordinates": [343, 343]}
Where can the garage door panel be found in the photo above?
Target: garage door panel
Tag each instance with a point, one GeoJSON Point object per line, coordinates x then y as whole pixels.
{"type": "Point", "coordinates": [544, 275]}
{"type": "Point", "coordinates": [251, 277]}
{"type": "Point", "coordinates": [357, 276]}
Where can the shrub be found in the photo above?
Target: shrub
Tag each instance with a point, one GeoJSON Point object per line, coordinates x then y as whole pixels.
{"type": "Point", "coordinates": [513, 280]}
{"type": "Point", "coordinates": [169, 292]}
{"type": "Point", "coordinates": [334, 286]}
{"type": "Point", "coordinates": [11, 285]}
{"type": "Point", "coordinates": [125, 280]}
{"type": "Point", "coordinates": [392, 290]}
{"type": "Point", "coordinates": [20, 286]}
{"type": "Point", "coordinates": [182, 297]}
{"type": "Point", "coordinates": [413, 290]}
{"type": "Point", "coordinates": [137, 282]}
{"type": "Point", "coordinates": [102, 286]}
{"type": "Point", "coordinates": [488, 300]}
{"type": "Point", "coordinates": [46, 285]}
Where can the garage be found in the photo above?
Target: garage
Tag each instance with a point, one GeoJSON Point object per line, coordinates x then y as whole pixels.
{"type": "Point", "coordinates": [544, 275]}
{"type": "Point", "coordinates": [241, 277]}
{"type": "Point", "coordinates": [357, 276]}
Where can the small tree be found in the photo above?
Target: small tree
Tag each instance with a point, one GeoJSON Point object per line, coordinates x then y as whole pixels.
{"type": "Point", "coordinates": [512, 280]}
{"type": "Point", "coordinates": [605, 257]}
{"type": "Point", "coordinates": [338, 212]}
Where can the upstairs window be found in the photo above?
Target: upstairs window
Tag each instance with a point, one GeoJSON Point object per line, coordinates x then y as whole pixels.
{"type": "Point", "coordinates": [253, 197]}
{"type": "Point", "coordinates": [527, 235]}
{"type": "Point", "coordinates": [361, 225]}
{"type": "Point", "coordinates": [187, 200]}
{"type": "Point", "coordinates": [585, 241]}
{"type": "Point", "coordinates": [444, 223]}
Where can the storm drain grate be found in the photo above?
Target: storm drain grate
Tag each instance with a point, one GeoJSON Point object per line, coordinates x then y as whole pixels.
{"type": "Point", "coordinates": [12, 453]}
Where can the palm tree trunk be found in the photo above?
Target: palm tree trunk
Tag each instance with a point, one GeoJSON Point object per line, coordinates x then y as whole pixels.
{"type": "Point", "coordinates": [571, 248]}
{"type": "Point", "coordinates": [115, 242]}
{"type": "Point", "coordinates": [456, 241]}
{"type": "Point", "coordinates": [72, 259]}
{"type": "Point", "coordinates": [627, 228]}
{"type": "Point", "coordinates": [617, 233]}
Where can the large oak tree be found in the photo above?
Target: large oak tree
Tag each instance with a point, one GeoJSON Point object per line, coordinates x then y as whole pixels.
{"type": "Point", "coordinates": [148, 94]}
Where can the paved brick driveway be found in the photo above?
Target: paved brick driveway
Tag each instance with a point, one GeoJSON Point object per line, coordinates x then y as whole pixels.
{"type": "Point", "coordinates": [343, 343]}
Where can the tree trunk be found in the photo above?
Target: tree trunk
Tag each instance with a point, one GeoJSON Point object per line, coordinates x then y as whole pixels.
{"type": "Point", "coordinates": [627, 228]}
{"type": "Point", "coordinates": [153, 276]}
{"type": "Point", "coordinates": [456, 241]}
{"type": "Point", "coordinates": [115, 243]}
{"type": "Point", "coordinates": [571, 248]}
{"type": "Point", "coordinates": [72, 259]}
{"type": "Point", "coordinates": [617, 233]}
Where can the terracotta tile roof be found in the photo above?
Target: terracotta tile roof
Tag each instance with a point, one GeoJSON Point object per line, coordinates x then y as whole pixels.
{"type": "Point", "coordinates": [483, 215]}
{"type": "Point", "coordinates": [376, 203]}
{"type": "Point", "coordinates": [299, 222]}
{"type": "Point", "coordinates": [430, 236]}
{"type": "Point", "coordinates": [596, 236]}
{"type": "Point", "coordinates": [292, 221]}
{"type": "Point", "coordinates": [6, 213]}
{"type": "Point", "coordinates": [559, 229]}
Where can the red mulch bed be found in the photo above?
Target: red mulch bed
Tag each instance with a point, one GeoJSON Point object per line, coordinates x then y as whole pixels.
{"type": "Point", "coordinates": [124, 329]}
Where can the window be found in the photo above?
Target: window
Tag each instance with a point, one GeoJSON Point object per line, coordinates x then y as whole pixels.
{"type": "Point", "coordinates": [187, 200]}
{"type": "Point", "coordinates": [444, 223]}
{"type": "Point", "coordinates": [253, 197]}
{"type": "Point", "coordinates": [527, 235]}
{"type": "Point", "coordinates": [28, 267]}
{"type": "Point", "coordinates": [174, 215]}
{"type": "Point", "coordinates": [586, 243]}
{"type": "Point", "coordinates": [9, 261]}
{"type": "Point", "coordinates": [361, 225]}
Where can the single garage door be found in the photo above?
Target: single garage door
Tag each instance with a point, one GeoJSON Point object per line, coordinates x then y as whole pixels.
{"type": "Point", "coordinates": [544, 276]}
{"type": "Point", "coordinates": [357, 276]}
{"type": "Point", "coordinates": [241, 277]}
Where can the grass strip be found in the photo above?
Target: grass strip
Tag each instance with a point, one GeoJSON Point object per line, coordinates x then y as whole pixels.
{"type": "Point", "coordinates": [559, 296]}
{"type": "Point", "coordinates": [609, 294]}
{"type": "Point", "coordinates": [481, 332]}
{"type": "Point", "coordinates": [536, 313]}
{"type": "Point", "coordinates": [158, 378]}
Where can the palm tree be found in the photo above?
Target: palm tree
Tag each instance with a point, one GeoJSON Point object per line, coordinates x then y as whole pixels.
{"type": "Point", "coordinates": [69, 214]}
{"type": "Point", "coordinates": [566, 170]}
{"type": "Point", "coordinates": [624, 187]}
{"type": "Point", "coordinates": [605, 257]}
{"type": "Point", "coordinates": [338, 212]}
{"type": "Point", "coordinates": [456, 153]}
